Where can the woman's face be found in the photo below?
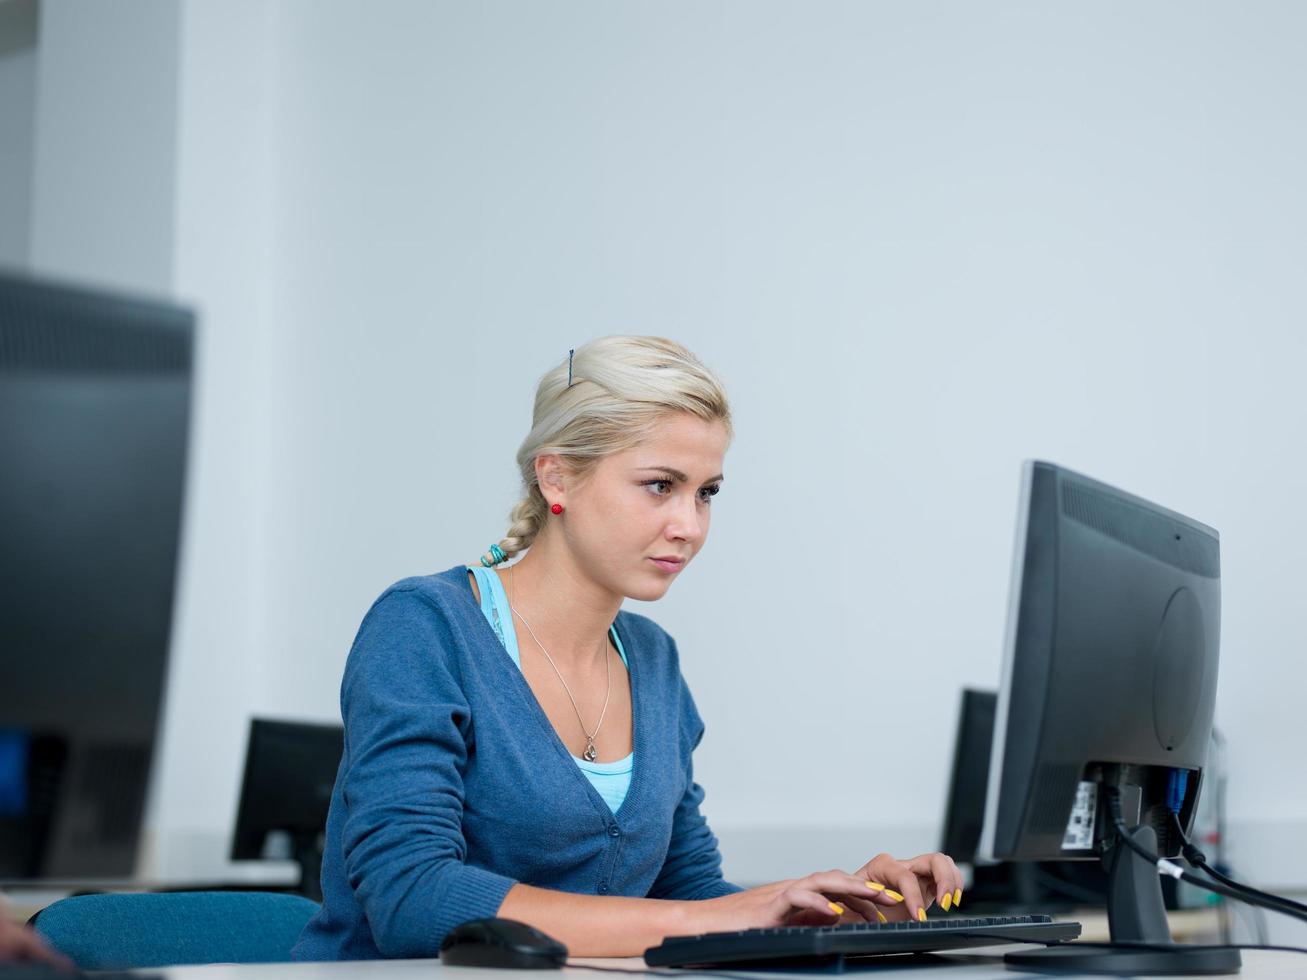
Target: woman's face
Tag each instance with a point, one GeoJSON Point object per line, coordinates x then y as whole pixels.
{"type": "Point", "coordinates": [653, 501]}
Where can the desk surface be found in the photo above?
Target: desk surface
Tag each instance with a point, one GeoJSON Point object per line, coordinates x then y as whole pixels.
{"type": "Point", "coordinates": [975, 965]}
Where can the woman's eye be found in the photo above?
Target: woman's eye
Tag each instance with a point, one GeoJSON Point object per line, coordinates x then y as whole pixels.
{"type": "Point", "coordinates": [707, 493]}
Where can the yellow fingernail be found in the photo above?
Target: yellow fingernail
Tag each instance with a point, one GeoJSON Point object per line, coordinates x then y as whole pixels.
{"type": "Point", "coordinates": [957, 897]}
{"type": "Point", "coordinates": [835, 908]}
{"type": "Point", "coordinates": [881, 915]}
{"type": "Point", "coordinates": [946, 902]}
{"type": "Point", "coordinates": [893, 894]}
{"type": "Point", "coordinates": [875, 886]}
{"type": "Point", "coordinates": [921, 915]}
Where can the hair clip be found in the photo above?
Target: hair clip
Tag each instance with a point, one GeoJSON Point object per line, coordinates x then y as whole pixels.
{"type": "Point", "coordinates": [569, 366]}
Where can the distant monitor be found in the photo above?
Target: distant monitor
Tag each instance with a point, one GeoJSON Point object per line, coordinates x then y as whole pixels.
{"type": "Point", "coordinates": [965, 811]}
{"type": "Point", "coordinates": [95, 394]}
{"type": "Point", "coordinates": [1008, 887]}
{"type": "Point", "coordinates": [1109, 685]}
{"type": "Point", "coordinates": [290, 772]}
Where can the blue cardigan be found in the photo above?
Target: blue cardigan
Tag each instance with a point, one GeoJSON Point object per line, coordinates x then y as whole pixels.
{"type": "Point", "coordinates": [454, 786]}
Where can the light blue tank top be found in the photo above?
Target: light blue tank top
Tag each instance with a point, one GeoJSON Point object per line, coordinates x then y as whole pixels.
{"type": "Point", "coordinates": [610, 779]}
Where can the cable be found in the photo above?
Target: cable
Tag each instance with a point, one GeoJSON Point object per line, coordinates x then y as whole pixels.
{"type": "Point", "coordinates": [1199, 860]}
{"type": "Point", "coordinates": [1175, 799]}
{"type": "Point", "coordinates": [1175, 871]}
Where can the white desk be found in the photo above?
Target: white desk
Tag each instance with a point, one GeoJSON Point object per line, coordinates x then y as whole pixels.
{"type": "Point", "coordinates": [975, 965]}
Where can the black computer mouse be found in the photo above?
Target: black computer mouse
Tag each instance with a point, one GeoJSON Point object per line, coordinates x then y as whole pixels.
{"type": "Point", "coordinates": [504, 943]}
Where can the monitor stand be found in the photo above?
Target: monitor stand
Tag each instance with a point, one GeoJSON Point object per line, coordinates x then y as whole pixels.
{"type": "Point", "coordinates": [1135, 915]}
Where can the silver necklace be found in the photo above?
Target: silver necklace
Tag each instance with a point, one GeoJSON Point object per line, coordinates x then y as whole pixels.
{"type": "Point", "coordinates": [589, 754]}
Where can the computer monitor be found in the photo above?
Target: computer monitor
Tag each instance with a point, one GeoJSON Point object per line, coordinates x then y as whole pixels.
{"type": "Point", "coordinates": [1108, 687]}
{"type": "Point", "coordinates": [95, 394]}
{"type": "Point", "coordinates": [964, 815]}
{"type": "Point", "coordinates": [290, 772]}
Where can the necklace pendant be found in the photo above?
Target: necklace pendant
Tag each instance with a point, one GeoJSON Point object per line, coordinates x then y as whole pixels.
{"type": "Point", "coordinates": [589, 753]}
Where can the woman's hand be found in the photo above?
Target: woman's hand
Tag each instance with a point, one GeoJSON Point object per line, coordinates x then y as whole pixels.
{"type": "Point", "coordinates": [18, 943]}
{"type": "Point", "coordinates": [882, 890]}
{"type": "Point", "coordinates": [921, 881]}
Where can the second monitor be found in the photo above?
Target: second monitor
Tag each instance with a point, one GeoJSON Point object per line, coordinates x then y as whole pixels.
{"type": "Point", "coordinates": [290, 771]}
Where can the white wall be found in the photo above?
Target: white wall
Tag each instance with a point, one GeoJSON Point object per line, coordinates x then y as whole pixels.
{"type": "Point", "coordinates": [920, 242]}
{"type": "Point", "coordinates": [223, 223]}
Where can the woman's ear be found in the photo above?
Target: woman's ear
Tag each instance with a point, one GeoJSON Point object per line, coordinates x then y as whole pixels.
{"type": "Point", "coordinates": [550, 474]}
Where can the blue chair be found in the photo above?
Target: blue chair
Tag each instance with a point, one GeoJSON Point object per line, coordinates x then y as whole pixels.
{"type": "Point", "coordinates": [129, 931]}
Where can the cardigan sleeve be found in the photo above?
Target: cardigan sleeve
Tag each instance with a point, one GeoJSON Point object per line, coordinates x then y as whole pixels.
{"type": "Point", "coordinates": [407, 724]}
{"type": "Point", "coordinates": [693, 866]}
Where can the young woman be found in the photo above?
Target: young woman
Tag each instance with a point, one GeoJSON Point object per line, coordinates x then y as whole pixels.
{"type": "Point", "coordinates": [518, 745]}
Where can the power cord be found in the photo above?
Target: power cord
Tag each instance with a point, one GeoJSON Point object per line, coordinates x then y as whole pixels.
{"type": "Point", "coordinates": [1199, 860]}
{"type": "Point", "coordinates": [1175, 793]}
{"type": "Point", "coordinates": [1238, 892]}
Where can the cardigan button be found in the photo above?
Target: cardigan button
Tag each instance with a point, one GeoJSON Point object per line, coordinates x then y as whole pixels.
{"type": "Point", "coordinates": [614, 832]}
{"type": "Point", "coordinates": [603, 888]}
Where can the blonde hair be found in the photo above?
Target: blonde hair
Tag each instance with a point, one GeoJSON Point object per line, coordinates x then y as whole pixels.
{"type": "Point", "coordinates": [622, 387]}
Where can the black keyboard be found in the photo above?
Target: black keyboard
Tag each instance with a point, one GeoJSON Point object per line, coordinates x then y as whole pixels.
{"type": "Point", "coordinates": [827, 943]}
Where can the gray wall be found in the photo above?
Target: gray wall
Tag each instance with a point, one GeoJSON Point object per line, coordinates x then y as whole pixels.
{"type": "Point", "coordinates": [919, 241]}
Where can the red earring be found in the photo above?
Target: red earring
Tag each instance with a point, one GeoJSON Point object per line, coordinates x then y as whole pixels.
{"type": "Point", "coordinates": [557, 508]}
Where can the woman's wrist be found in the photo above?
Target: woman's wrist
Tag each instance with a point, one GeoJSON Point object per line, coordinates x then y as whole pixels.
{"type": "Point", "coordinates": [680, 918]}
{"type": "Point", "coordinates": [601, 925]}
{"type": "Point", "coordinates": [721, 914]}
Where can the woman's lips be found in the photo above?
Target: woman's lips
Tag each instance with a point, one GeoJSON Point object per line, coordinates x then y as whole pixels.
{"type": "Point", "coordinates": [668, 566]}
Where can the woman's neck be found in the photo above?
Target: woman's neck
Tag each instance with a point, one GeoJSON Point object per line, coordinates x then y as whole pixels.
{"type": "Point", "coordinates": [568, 612]}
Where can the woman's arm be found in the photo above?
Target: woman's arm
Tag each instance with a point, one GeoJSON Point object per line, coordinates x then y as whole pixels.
{"type": "Point", "coordinates": [598, 925]}
{"type": "Point", "coordinates": [406, 732]}
{"type": "Point", "coordinates": [602, 925]}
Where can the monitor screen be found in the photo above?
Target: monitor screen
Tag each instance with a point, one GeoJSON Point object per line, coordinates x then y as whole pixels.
{"type": "Point", "coordinates": [95, 393]}
{"type": "Point", "coordinates": [290, 773]}
{"type": "Point", "coordinates": [964, 814]}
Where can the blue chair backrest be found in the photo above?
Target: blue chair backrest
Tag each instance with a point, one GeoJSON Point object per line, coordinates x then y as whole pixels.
{"type": "Point", "coordinates": [129, 931]}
